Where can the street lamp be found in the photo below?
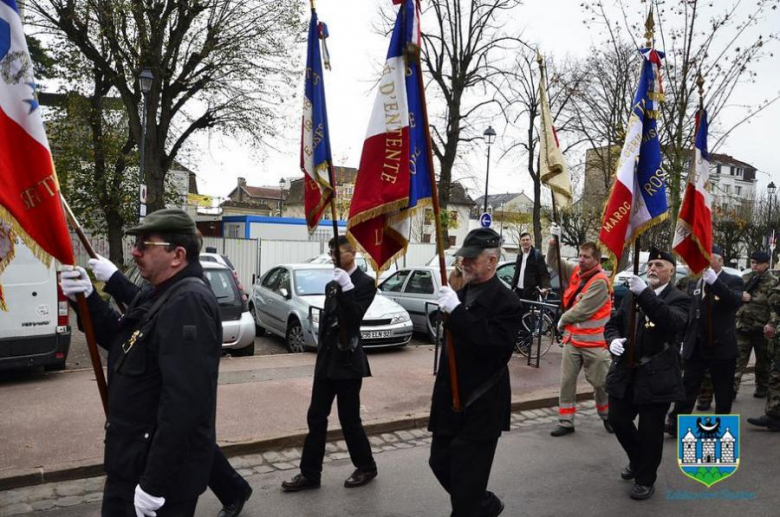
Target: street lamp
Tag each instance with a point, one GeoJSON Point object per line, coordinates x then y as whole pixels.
{"type": "Point", "coordinates": [771, 189]}
{"type": "Point", "coordinates": [145, 81]}
{"type": "Point", "coordinates": [490, 137]}
{"type": "Point", "coordinates": [282, 183]}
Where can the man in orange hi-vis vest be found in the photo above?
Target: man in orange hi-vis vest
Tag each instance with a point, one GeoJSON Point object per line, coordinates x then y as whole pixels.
{"type": "Point", "coordinates": [587, 305]}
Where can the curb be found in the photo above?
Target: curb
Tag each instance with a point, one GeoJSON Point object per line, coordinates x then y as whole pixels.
{"type": "Point", "coordinates": [79, 470]}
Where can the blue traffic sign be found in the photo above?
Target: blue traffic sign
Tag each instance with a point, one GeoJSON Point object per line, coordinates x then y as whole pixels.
{"type": "Point", "coordinates": [485, 220]}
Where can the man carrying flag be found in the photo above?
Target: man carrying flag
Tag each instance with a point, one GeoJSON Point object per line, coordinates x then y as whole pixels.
{"type": "Point", "coordinates": [394, 178]}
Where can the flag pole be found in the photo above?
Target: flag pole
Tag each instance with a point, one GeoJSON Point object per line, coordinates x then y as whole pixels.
{"type": "Point", "coordinates": [450, 348]}
{"type": "Point", "coordinates": [86, 317]}
{"type": "Point", "coordinates": [700, 85]}
{"type": "Point", "coordinates": [331, 178]}
{"type": "Point", "coordinates": [561, 280]}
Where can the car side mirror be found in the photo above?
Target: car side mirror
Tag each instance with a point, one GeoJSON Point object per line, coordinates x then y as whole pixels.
{"type": "Point", "coordinates": [284, 292]}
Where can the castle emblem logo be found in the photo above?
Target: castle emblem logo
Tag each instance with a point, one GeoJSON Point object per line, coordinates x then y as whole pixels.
{"type": "Point", "coordinates": [708, 447]}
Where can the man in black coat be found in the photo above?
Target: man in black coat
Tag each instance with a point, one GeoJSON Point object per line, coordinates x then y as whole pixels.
{"type": "Point", "coordinates": [483, 321]}
{"type": "Point", "coordinates": [645, 377]}
{"type": "Point", "coordinates": [229, 486]}
{"type": "Point", "coordinates": [338, 373]}
{"type": "Point", "coordinates": [530, 270]}
{"type": "Point", "coordinates": [163, 360]}
{"type": "Point", "coordinates": [710, 341]}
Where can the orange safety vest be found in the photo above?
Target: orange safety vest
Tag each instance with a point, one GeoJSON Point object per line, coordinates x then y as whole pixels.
{"type": "Point", "coordinates": [588, 333]}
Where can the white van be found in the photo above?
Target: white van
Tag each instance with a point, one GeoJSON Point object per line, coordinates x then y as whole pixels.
{"type": "Point", "coordinates": [34, 331]}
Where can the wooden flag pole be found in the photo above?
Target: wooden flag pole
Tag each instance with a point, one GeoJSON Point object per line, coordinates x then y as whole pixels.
{"type": "Point", "coordinates": [450, 348]}
{"type": "Point", "coordinates": [86, 318]}
{"type": "Point", "coordinates": [700, 85]}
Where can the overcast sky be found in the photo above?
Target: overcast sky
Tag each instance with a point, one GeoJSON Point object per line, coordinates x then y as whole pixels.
{"type": "Point", "coordinates": [356, 52]}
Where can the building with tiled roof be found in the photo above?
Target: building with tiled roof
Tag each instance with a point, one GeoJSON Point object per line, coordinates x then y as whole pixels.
{"type": "Point", "coordinates": [248, 200]}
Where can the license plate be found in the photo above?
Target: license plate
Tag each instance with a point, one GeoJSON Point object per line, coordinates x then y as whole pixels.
{"type": "Point", "coordinates": [374, 334]}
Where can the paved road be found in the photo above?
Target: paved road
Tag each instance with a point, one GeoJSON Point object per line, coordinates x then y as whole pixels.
{"type": "Point", "coordinates": [534, 474]}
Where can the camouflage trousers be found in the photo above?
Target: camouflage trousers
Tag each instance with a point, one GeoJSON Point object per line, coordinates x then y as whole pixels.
{"type": "Point", "coordinates": [747, 342]}
{"type": "Point", "coordinates": [773, 393]}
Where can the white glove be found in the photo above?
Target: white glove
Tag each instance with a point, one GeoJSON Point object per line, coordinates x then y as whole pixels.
{"type": "Point", "coordinates": [448, 299]}
{"type": "Point", "coordinates": [342, 278]}
{"type": "Point", "coordinates": [555, 230]}
{"type": "Point", "coordinates": [616, 347]}
{"type": "Point", "coordinates": [102, 267]}
{"type": "Point", "coordinates": [146, 504]}
{"type": "Point", "coordinates": [75, 281]}
{"type": "Point", "coordinates": [636, 284]}
{"type": "Point", "coordinates": [709, 276]}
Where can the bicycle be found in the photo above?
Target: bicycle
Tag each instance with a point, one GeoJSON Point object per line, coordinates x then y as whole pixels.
{"type": "Point", "coordinates": [539, 320]}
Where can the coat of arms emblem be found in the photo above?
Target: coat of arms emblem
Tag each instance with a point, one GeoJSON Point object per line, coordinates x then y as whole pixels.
{"type": "Point", "coordinates": [708, 446]}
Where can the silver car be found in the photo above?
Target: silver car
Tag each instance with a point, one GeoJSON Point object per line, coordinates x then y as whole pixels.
{"type": "Point", "coordinates": [238, 326]}
{"type": "Point", "coordinates": [416, 290]}
{"type": "Point", "coordinates": [287, 301]}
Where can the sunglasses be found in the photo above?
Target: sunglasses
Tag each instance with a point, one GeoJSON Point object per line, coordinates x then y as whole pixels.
{"type": "Point", "coordinates": [144, 245]}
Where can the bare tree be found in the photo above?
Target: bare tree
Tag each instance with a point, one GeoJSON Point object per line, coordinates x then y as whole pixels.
{"type": "Point", "coordinates": [216, 64]}
{"type": "Point", "coordinates": [465, 51]}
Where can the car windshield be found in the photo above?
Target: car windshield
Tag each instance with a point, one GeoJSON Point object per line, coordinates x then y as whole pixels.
{"type": "Point", "coordinates": [224, 287]}
{"type": "Point", "coordinates": [311, 281]}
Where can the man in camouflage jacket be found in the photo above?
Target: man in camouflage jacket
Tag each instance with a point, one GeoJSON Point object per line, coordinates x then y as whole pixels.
{"type": "Point", "coordinates": [752, 322]}
{"type": "Point", "coordinates": [771, 418]}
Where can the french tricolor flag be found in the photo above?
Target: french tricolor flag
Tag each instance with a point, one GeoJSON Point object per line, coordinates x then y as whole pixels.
{"type": "Point", "coordinates": [693, 235]}
{"type": "Point", "coordinates": [394, 175]}
{"type": "Point", "coordinates": [638, 198]}
{"type": "Point", "coordinates": [29, 189]}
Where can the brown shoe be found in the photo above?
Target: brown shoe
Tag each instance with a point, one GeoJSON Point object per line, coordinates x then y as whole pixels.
{"type": "Point", "coordinates": [360, 478]}
{"type": "Point", "coordinates": [298, 483]}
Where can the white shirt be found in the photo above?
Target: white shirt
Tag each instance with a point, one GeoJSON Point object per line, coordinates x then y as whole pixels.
{"type": "Point", "coordinates": [521, 277]}
{"type": "Point", "coordinates": [660, 289]}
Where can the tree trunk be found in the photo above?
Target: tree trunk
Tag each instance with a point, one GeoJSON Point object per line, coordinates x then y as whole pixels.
{"type": "Point", "coordinates": [114, 225]}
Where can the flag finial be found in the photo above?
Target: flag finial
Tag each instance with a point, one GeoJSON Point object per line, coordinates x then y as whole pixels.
{"type": "Point", "coordinates": [649, 29]}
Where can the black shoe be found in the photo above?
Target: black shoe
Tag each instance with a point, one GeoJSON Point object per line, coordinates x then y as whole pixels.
{"type": "Point", "coordinates": [234, 509]}
{"type": "Point", "coordinates": [608, 427]}
{"type": "Point", "coordinates": [298, 483]}
{"type": "Point", "coordinates": [628, 472]}
{"type": "Point", "coordinates": [492, 506]}
{"type": "Point", "coordinates": [704, 406]}
{"type": "Point", "coordinates": [641, 492]}
{"type": "Point", "coordinates": [360, 478]}
{"type": "Point", "coordinates": [766, 421]}
{"type": "Point", "coordinates": [670, 428]}
{"type": "Point", "coordinates": [759, 394]}
{"type": "Point", "coordinates": [561, 431]}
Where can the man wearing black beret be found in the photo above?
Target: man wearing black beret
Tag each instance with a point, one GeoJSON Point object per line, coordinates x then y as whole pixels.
{"type": "Point", "coordinates": [646, 379]}
{"type": "Point", "coordinates": [753, 325]}
{"type": "Point", "coordinates": [710, 343]}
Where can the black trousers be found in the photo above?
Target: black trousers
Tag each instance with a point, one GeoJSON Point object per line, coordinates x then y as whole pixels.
{"type": "Point", "coordinates": [644, 444]}
{"type": "Point", "coordinates": [462, 467]}
{"type": "Point", "coordinates": [118, 499]}
{"type": "Point", "coordinates": [224, 481]}
{"type": "Point", "coordinates": [722, 373]}
{"type": "Point", "coordinates": [347, 393]}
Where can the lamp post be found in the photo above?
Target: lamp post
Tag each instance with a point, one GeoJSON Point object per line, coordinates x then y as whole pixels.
{"type": "Point", "coordinates": [145, 81]}
{"type": "Point", "coordinates": [771, 189]}
{"type": "Point", "coordinates": [490, 137]}
{"type": "Point", "coordinates": [282, 183]}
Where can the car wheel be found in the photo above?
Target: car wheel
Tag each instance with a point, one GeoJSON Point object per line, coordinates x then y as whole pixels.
{"type": "Point", "coordinates": [259, 331]}
{"type": "Point", "coordinates": [295, 340]}
{"type": "Point", "coordinates": [243, 352]}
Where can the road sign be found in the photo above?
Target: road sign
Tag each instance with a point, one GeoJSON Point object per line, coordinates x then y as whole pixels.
{"type": "Point", "coordinates": [142, 210]}
{"type": "Point", "coordinates": [142, 193]}
{"type": "Point", "coordinates": [485, 220]}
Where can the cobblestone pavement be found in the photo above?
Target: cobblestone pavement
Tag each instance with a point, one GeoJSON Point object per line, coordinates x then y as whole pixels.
{"type": "Point", "coordinates": [33, 499]}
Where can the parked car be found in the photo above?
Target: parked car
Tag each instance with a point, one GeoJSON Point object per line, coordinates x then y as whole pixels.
{"type": "Point", "coordinates": [416, 290]}
{"type": "Point", "coordinates": [288, 298]}
{"type": "Point", "coordinates": [238, 325]}
{"type": "Point", "coordinates": [506, 272]}
{"type": "Point", "coordinates": [361, 262]}
{"type": "Point", "coordinates": [225, 261]}
{"type": "Point", "coordinates": [34, 330]}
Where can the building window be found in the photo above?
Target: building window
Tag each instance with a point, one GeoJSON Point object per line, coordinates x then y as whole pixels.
{"type": "Point", "coordinates": [453, 240]}
{"type": "Point", "coordinates": [727, 189]}
{"type": "Point", "coordinates": [426, 238]}
{"type": "Point", "coordinates": [718, 169]}
{"type": "Point", "coordinates": [732, 170]}
{"type": "Point", "coordinates": [738, 190]}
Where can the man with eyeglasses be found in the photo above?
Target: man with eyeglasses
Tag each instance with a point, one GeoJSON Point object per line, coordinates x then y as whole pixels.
{"type": "Point", "coordinates": [645, 376]}
{"type": "Point", "coordinates": [338, 373]}
{"type": "Point", "coordinates": [163, 360]}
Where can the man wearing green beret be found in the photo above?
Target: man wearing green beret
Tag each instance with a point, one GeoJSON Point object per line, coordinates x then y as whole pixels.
{"type": "Point", "coordinates": [163, 360]}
